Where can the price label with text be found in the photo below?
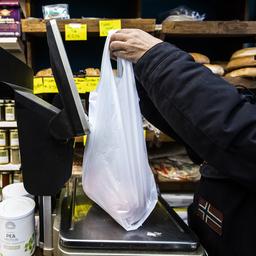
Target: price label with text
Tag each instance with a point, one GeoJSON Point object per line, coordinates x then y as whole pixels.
{"type": "Point", "coordinates": [75, 32]}
{"type": "Point", "coordinates": [107, 25]}
{"type": "Point", "coordinates": [38, 85]}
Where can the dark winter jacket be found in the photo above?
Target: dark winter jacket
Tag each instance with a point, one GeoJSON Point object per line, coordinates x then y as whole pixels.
{"type": "Point", "coordinates": [218, 125]}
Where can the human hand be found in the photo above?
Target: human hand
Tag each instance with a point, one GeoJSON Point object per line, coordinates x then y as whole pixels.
{"type": "Point", "coordinates": [131, 44]}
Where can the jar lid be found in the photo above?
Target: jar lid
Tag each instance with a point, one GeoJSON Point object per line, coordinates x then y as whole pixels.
{"type": "Point", "coordinates": [16, 208]}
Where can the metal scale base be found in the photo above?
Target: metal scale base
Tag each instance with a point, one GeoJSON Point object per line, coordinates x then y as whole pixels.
{"type": "Point", "coordinates": [85, 229]}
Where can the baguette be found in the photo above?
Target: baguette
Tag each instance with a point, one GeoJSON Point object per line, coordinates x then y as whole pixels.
{"type": "Point", "coordinates": [243, 72]}
{"type": "Point", "coordinates": [242, 62]}
{"type": "Point", "coordinates": [200, 58]}
{"type": "Point", "coordinates": [216, 69]}
{"type": "Point", "coordinates": [244, 53]}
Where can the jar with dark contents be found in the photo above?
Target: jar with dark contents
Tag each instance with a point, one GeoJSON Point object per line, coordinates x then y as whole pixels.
{"type": "Point", "coordinates": [15, 155]}
{"type": "Point", "coordinates": [4, 155]}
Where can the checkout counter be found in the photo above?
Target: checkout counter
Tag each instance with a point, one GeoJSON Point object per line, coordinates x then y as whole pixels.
{"type": "Point", "coordinates": [80, 226]}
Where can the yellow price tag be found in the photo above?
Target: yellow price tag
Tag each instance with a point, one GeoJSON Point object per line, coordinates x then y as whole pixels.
{"type": "Point", "coordinates": [85, 139]}
{"type": "Point", "coordinates": [80, 84]}
{"type": "Point", "coordinates": [38, 85]}
{"type": "Point", "coordinates": [91, 83]}
{"type": "Point", "coordinates": [106, 25]}
{"type": "Point", "coordinates": [75, 32]}
{"type": "Point", "coordinates": [50, 85]}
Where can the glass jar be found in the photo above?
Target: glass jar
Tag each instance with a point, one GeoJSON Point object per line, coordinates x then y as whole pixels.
{"type": "Point", "coordinates": [14, 137]}
{"type": "Point", "coordinates": [9, 112]}
{"type": "Point", "coordinates": [4, 155]}
{"type": "Point", "coordinates": [3, 138]}
{"type": "Point", "coordinates": [15, 155]}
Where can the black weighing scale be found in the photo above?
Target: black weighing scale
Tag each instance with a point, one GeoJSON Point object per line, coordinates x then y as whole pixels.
{"type": "Point", "coordinates": [46, 144]}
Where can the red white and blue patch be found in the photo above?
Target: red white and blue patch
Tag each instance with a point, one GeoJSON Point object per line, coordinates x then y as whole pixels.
{"type": "Point", "coordinates": [210, 215]}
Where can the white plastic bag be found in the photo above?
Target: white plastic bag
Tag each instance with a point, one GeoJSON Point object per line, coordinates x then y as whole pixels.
{"type": "Point", "coordinates": [116, 173]}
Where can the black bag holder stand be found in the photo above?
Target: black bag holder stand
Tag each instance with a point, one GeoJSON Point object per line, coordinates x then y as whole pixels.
{"type": "Point", "coordinates": [46, 154]}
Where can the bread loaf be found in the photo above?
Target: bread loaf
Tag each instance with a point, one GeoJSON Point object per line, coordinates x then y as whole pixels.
{"type": "Point", "coordinates": [242, 62]}
{"type": "Point", "coordinates": [244, 53]}
{"type": "Point", "coordinates": [216, 69]}
{"type": "Point", "coordinates": [92, 72]}
{"type": "Point", "coordinates": [243, 72]}
{"type": "Point", "coordinates": [45, 72]}
{"type": "Point", "coordinates": [200, 58]}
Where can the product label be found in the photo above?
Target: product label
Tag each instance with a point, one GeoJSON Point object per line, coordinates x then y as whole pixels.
{"type": "Point", "coordinates": [17, 237]}
{"type": "Point", "coordinates": [107, 25]}
{"type": "Point", "coordinates": [75, 32]}
{"type": "Point", "coordinates": [4, 156]}
{"type": "Point", "coordinates": [9, 114]}
{"type": "Point", "coordinates": [2, 139]}
{"type": "Point", "coordinates": [14, 141]}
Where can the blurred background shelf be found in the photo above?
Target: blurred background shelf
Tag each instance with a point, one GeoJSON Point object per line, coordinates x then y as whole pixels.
{"type": "Point", "coordinates": [209, 28]}
{"type": "Point", "coordinates": [38, 25]}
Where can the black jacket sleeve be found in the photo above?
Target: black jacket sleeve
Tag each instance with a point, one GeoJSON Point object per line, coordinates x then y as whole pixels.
{"type": "Point", "coordinates": [150, 112]}
{"type": "Point", "coordinates": [204, 110]}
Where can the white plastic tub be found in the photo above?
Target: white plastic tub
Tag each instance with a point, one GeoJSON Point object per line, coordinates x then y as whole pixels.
{"type": "Point", "coordinates": [15, 190]}
{"type": "Point", "coordinates": [17, 227]}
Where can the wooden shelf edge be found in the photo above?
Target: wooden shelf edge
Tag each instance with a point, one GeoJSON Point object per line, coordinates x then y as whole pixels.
{"type": "Point", "coordinates": [209, 28]}
{"type": "Point", "coordinates": [38, 25]}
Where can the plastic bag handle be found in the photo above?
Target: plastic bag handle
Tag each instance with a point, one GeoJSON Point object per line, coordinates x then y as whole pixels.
{"type": "Point", "coordinates": [106, 66]}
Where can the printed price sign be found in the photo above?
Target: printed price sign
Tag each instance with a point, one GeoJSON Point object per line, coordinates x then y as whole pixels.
{"type": "Point", "coordinates": [106, 25]}
{"type": "Point", "coordinates": [38, 85]}
{"type": "Point", "coordinates": [91, 83]}
{"type": "Point", "coordinates": [50, 85]}
{"type": "Point", "coordinates": [75, 32]}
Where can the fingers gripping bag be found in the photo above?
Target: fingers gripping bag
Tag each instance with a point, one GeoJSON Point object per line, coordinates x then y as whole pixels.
{"type": "Point", "coordinates": [116, 172]}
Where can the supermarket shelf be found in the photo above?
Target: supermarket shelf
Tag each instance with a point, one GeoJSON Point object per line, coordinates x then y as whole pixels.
{"type": "Point", "coordinates": [9, 167]}
{"type": "Point", "coordinates": [209, 28]}
{"type": "Point", "coordinates": [38, 25]}
{"type": "Point", "coordinates": [8, 124]}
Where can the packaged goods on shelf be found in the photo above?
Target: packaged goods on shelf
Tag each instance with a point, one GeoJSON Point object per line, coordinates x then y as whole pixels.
{"type": "Point", "coordinates": [9, 14]}
{"type": "Point", "coordinates": [10, 29]}
{"type": "Point", "coordinates": [171, 169]}
{"type": "Point", "coordinates": [4, 155]}
{"type": "Point", "coordinates": [10, 111]}
{"type": "Point", "coordinates": [9, 2]}
{"type": "Point", "coordinates": [3, 138]}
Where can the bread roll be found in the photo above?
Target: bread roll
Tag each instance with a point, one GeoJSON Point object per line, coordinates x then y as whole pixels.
{"type": "Point", "coordinates": [200, 58]}
{"type": "Point", "coordinates": [45, 72]}
{"type": "Point", "coordinates": [92, 72]}
{"type": "Point", "coordinates": [243, 72]}
{"type": "Point", "coordinates": [242, 62]}
{"type": "Point", "coordinates": [244, 53]}
{"type": "Point", "coordinates": [216, 69]}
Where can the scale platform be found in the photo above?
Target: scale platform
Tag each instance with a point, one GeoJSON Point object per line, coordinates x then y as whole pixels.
{"type": "Point", "coordinates": [85, 227]}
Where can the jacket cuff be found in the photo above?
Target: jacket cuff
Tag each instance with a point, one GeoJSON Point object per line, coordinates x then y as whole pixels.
{"type": "Point", "coordinates": [149, 62]}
